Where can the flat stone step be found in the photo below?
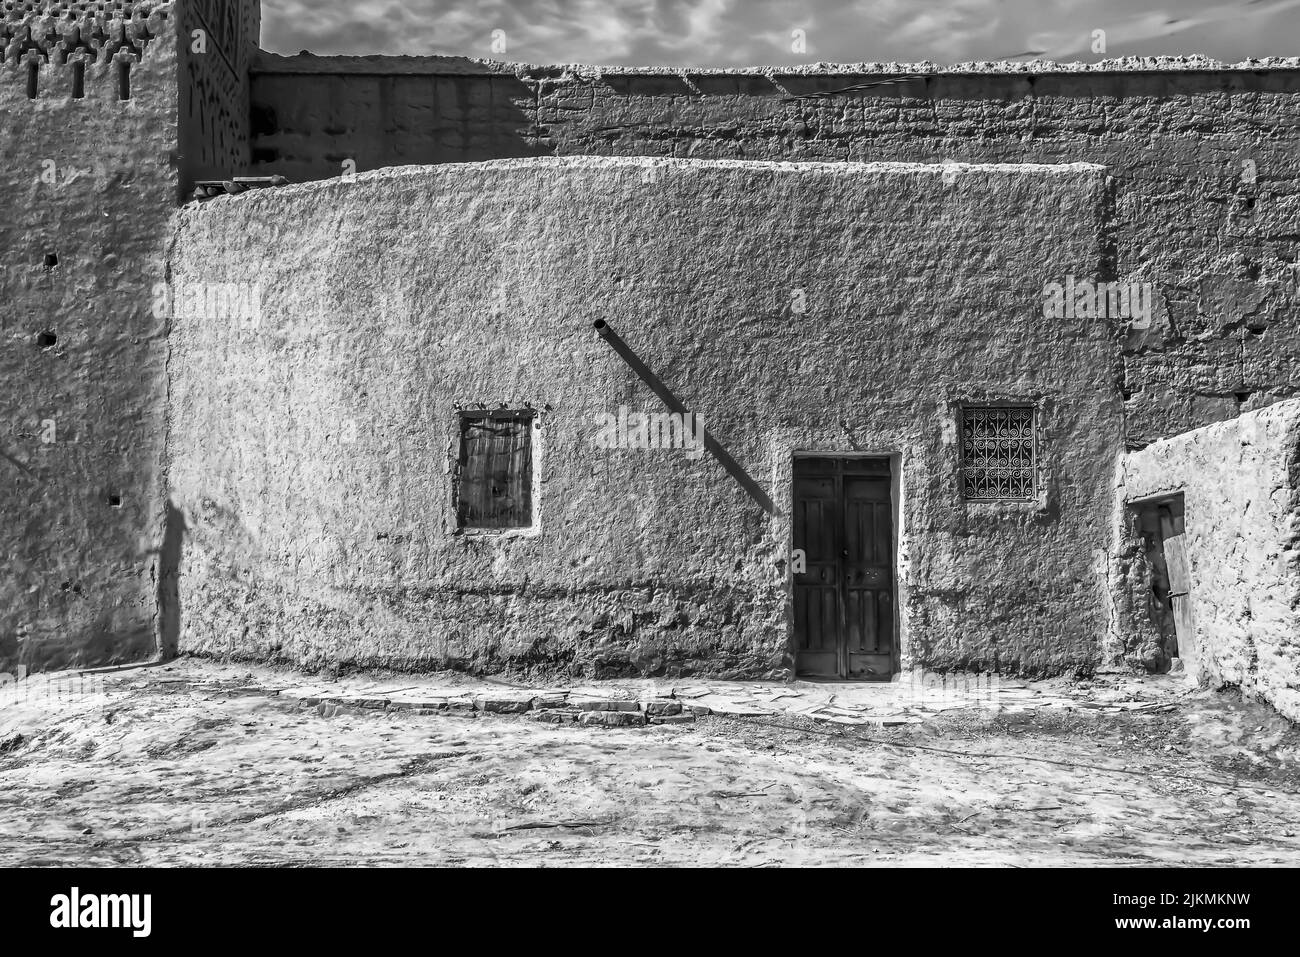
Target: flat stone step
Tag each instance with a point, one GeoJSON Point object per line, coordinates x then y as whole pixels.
{"type": "Point", "coordinates": [503, 704]}
{"type": "Point", "coordinates": [612, 719]}
{"type": "Point", "coordinates": [582, 703]}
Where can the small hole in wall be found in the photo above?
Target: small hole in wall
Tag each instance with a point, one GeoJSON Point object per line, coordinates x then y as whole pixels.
{"type": "Point", "coordinates": [46, 339]}
{"type": "Point", "coordinates": [1127, 394]}
{"type": "Point", "coordinates": [51, 260]}
{"type": "Point", "coordinates": [1243, 396]}
{"type": "Point", "coordinates": [114, 500]}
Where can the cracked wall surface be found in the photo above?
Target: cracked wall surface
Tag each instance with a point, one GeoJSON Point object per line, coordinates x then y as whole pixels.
{"type": "Point", "coordinates": [311, 452]}
{"type": "Point", "coordinates": [1240, 485]}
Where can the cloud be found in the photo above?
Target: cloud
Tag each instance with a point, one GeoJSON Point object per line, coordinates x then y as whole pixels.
{"type": "Point", "coordinates": [758, 32]}
{"type": "Point", "coordinates": [1127, 31]}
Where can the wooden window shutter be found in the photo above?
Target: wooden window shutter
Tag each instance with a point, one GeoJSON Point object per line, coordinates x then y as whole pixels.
{"type": "Point", "coordinates": [495, 481]}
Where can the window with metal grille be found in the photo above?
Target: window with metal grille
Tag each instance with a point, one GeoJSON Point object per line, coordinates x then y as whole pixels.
{"type": "Point", "coordinates": [494, 488]}
{"type": "Point", "coordinates": [997, 452]}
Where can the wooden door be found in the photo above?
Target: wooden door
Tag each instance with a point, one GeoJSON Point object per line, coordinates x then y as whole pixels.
{"type": "Point", "coordinates": [817, 588]}
{"type": "Point", "coordinates": [844, 614]}
{"type": "Point", "coordinates": [1173, 542]}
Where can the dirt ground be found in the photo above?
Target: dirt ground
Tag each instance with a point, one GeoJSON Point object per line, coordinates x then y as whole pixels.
{"type": "Point", "coordinates": [170, 766]}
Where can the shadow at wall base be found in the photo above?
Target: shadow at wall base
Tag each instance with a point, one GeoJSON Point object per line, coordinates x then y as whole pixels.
{"type": "Point", "coordinates": [100, 649]}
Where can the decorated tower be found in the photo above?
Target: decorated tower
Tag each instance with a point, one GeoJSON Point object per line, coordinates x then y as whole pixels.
{"type": "Point", "coordinates": [108, 112]}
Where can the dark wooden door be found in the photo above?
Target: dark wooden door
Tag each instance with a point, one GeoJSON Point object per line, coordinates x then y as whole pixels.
{"type": "Point", "coordinates": [817, 604]}
{"type": "Point", "coordinates": [844, 616]}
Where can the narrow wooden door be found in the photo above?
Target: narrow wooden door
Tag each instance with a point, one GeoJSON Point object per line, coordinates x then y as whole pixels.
{"type": "Point", "coordinates": [844, 615]}
{"type": "Point", "coordinates": [1174, 544]}
{"type": "Point", "coordinates": [817, 588]}
{"type": "Point", "coordinates": [867, 564]}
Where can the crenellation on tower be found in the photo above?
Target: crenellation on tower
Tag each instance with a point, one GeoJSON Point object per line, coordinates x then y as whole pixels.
{"type": "Point", "coordinates": [99, 31]}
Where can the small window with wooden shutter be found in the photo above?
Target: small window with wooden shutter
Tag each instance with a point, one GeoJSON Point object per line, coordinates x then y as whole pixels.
{"type": "Point", "coordinates": [494, 488]}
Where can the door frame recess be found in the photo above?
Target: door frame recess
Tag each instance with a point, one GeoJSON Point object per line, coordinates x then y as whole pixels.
{"type": "Point", "coordinates": [895, 460]}
{"type": "Point", "coordinates": [1190, 650]}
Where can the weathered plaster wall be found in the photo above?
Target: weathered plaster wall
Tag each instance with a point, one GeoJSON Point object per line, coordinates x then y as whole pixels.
{"type": "Point", "coordinates": [1239, 480]}
{"type": "Point", "coordinates": [311, 453]}
{"type": "Point", "coordinates": [91, 181]}
{"type": "Point", "coordinates": [1218, 238]}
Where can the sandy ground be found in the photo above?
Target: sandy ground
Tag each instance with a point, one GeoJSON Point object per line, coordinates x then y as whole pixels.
{"type": "Point", "coordinates": [200, 763]}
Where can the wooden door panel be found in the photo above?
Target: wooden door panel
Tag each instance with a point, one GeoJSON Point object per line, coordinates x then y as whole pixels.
{"type": "Point", "coordinates": [860, 615]}
{"type": "Point", "coordinates": [869, 574]}
{"type": "Point", "coordinates": [816, 516]}
{"type": "Point", "coordinates": [1174, 545]}
{"type": "Point", "coordinates": [816, 589]}
{"type": "Point", "coordinates": [816, 624]}
{"type": "Point", "coordinates": [1171, 532]}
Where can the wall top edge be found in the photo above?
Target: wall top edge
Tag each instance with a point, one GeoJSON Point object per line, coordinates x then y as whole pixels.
{"type": "Point", "coordinates": [271, 63]}
{"type": "Point", "coordinates": [445, 174]}
{"type": "Point", "coordinates": [1285, 410]}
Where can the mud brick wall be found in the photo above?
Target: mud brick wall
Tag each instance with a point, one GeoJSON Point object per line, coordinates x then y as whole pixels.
{"type": "Point", "coordinates": [1218, 238]}
{"type": "Point", "coordinates": [88, 186]}
{"type": "Point", "coordinates": [311, 114]}
{"type": "Point", "coordinates": [1241, 486]}
{"type": "Point", "coordinates": [311, 452]}
{"type": "Point", "coordinates": [213, 90]}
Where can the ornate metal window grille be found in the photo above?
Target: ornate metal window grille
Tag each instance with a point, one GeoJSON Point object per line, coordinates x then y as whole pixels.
{"type": "Point", "coordinates": [997, 453]}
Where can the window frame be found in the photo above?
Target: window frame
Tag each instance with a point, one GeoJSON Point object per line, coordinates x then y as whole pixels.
{"type": "Point", "coordinates": [463, 421]}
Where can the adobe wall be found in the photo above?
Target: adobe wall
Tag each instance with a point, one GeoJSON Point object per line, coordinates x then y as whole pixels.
{"type": "Point", "coordinates": [1218, 238]}
{"type": "Point", "coordinates": [1240, 483]}
{"type": "Point", "coordinates": [91, 181]}
{"type": "Point", "coordinates": [311, 453]}
{"type": "Point", "coordinates": [312, 114]}
{"type": "Point", "coordinates": [213, 87]}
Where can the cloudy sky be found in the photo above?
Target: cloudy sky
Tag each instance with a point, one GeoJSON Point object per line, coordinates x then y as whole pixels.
{"type": "Point", "coordinates": [759, 32]}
